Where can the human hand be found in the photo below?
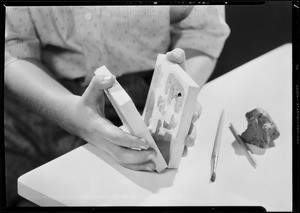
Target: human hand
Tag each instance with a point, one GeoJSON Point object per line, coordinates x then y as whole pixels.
{"type": "Point", "coordinates": [178, 56]}
{"type": "Point", "coordinates": [104, 135]}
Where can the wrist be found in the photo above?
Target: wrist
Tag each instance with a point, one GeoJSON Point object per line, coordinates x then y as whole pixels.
{"type": "Point", "coordinates": [69, 115]}
{"type": "Point", "coordinates": [200, 68]}
{"type": "Point", "coordinates": [81, 119]}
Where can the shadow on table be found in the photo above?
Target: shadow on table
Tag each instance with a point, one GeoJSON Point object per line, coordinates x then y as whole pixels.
{"type": "Point", "coordinates": [150, 181]}
{"type": "Point", "coordinates": [254, 149]}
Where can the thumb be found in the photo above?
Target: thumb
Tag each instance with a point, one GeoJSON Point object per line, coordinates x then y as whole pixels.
{"type": "Point", "coordinates": [177, 56]}
{"type": "Point", "coordinates": [94, 92]}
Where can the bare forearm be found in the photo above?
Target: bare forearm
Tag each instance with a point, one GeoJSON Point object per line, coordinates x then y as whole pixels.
{"type": "Point", "coordinates": [28, 80]}
{"type": "Point", "coordinates": [80, 115]}
{"type": "Point", "coordinates": [199, 66]}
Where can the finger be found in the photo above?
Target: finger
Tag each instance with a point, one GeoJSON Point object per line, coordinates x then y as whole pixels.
{"type": "Point", "coordinates": [190, 138]}
{"type": "Point", "coordinates": [129, 156]}
{"type": "Point", "coordinates": [177, 56]}
{"type": "Point", "coordinates": [147, 166]}
{"type": "Point", "coordinates": [185, 152]}
{"type": "Point", "coordinates": [197, 113]}
{"type": "Point", "coordinates": [120, 138]}
{"type": "Point", "coordinates": [94, 91]}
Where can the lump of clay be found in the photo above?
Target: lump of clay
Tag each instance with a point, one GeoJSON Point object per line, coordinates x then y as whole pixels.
{"type": "Point", "coordinates": [261, 130]}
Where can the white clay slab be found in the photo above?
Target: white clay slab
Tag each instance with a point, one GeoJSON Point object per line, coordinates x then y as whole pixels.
{"type": "Point", "coordinates": [130, 116]}
{"type": "Point", "coordinates": [169, 108]}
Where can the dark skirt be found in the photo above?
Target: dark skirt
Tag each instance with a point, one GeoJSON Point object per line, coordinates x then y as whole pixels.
{"type": "Point", "coordinates": [31, 140]}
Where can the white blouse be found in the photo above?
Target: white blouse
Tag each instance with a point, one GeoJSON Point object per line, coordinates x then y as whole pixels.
{"type": "Point", "coordinates": [74, 41]}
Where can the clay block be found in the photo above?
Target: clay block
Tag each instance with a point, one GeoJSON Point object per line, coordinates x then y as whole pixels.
{"type": "Point", "coordinates": [169, 108]}
{"type": "Point", "coordinates": [130, 116]}
{"type": "Point", "coordinates": [261, 130]}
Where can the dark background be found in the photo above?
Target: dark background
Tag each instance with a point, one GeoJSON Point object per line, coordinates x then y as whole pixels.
{"type": "Point", "coordinates": [255, 30]}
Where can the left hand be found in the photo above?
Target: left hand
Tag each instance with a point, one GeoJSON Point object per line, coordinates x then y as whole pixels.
{"type": "Point", "coordinates": [178, 56]}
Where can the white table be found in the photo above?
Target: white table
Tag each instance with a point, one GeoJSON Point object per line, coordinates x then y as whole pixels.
{"type": "Point", "coordinates": [89, 177]}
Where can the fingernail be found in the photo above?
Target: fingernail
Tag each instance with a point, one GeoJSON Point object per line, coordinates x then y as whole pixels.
{"type": "Point", "coordinates": [176, 54]}
{"type": "Point", "coordinates": [145, 144]}
{"type": "Point", "coordinates": [106, 78]}
{"type": "Point", "coordinates": [151, 156]}
{"type": "Point", "coordinates": [149, 168]}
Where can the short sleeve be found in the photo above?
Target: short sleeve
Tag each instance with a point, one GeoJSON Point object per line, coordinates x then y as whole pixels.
{"type": "Point", "coordinates": [21, 40]}
{"type": "Point", "coordinates": [204, 29]}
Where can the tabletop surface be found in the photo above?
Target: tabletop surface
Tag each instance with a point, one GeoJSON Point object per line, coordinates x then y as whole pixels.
{"type": "Point", "coordinates": [89, 177]}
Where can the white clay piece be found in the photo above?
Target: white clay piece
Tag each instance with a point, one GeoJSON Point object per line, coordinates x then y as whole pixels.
{"type": "Point", "coordinates": [169, 108]}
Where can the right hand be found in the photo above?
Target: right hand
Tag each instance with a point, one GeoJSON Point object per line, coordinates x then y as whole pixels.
{"type": "Point", "coordinates": [100, 132]}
